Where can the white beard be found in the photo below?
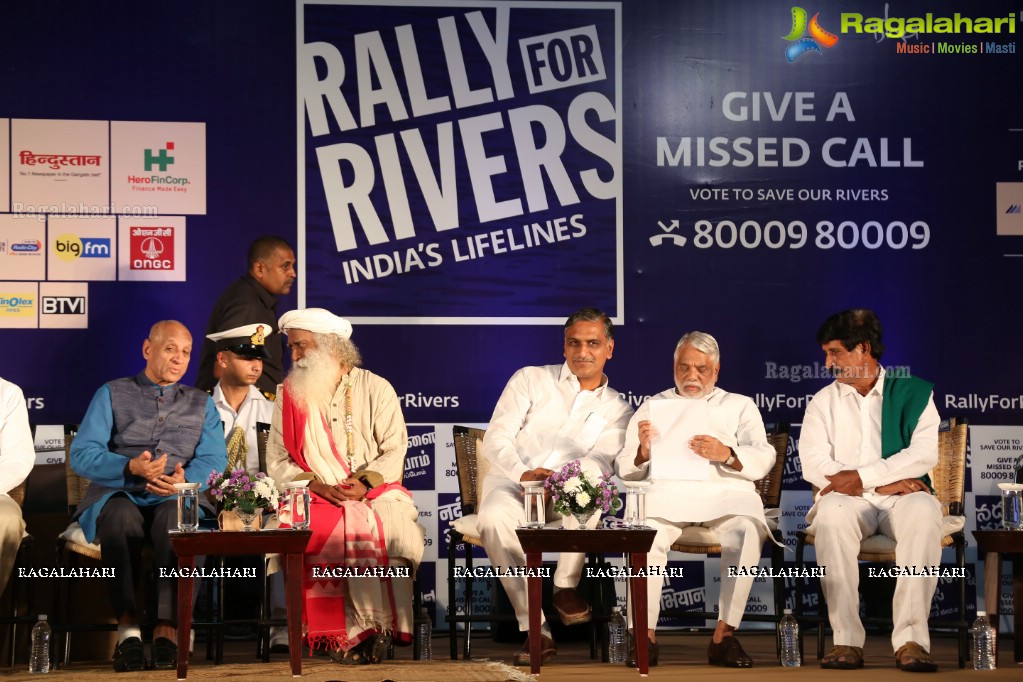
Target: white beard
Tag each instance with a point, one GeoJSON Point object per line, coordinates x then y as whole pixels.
{"type": "Point", "coordinates": [313, 379]}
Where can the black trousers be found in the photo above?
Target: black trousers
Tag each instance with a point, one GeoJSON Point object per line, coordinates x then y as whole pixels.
{"type": "Point", "coordinates": [122, 529]}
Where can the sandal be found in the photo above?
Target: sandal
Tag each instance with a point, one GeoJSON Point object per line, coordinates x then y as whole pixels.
{"type": "Point", "coordinates": [911, 657]}
{"type": "Point", "coordinates": [843, 658]}
{"type": "Point", "coordinates": [378, 647]}
{"type": "Point", "coordinates": [354, 656]}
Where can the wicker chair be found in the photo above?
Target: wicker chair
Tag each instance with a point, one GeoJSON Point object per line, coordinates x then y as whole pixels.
{"type": "Point", "coordinates": [698, 540]}
{"type": "Point", "coordinates": [23, 559]}
{"type": "Point", "coordinates": [71, 548]}
{"type": "Point", "coordinates": [948, 479]}
{"type": "Point", "coordinates": [472, 468]}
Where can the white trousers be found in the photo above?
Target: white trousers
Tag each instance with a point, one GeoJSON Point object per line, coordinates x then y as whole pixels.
{"type": "Point", "coordinates": [12, 528]}
{"type": "Point", "coordinates": [914, 522]}
{"type": "Point", "coordinates": [742, 540]}
{"type": "Point", "coordinates": [500, 514]}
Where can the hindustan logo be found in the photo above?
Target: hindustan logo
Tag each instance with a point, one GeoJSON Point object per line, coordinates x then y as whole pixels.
{"type": "Point", "coordinates": [819, 37]}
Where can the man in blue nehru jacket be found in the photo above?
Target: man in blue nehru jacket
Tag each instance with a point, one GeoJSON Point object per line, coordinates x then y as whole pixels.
{"type": "Point", "coordinates": [139, 437]}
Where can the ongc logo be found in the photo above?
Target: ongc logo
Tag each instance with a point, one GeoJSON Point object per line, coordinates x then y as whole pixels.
{"type": "Point", "coordinates": [152, 248]}
{"type": "Point", "coordinates": [70, 247]}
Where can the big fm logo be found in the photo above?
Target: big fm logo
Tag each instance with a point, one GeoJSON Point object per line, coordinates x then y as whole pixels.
{"type": "Point", "coordinates": [151, 248]}
{"type": "Point", "coordinates": [159, 158]}
{"type": "Point", "coordinates": [70, 247]}
{"type": "Point", "coordinates": [801, 44]}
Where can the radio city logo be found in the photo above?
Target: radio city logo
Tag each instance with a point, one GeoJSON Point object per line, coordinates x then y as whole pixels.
{"type": "Point", "coordinates": [26, 247]}
{"type": "Point", "coordinates": [801, 44]}
{"type": "Point", "coordinates": [160, 158]}
{"type": "Point", "coordinates": [70, 247]}
{"type": "Point", "coordinates": [151, 248]}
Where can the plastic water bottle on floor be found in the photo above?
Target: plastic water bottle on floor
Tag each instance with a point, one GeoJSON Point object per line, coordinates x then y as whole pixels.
{"type": "Point", "coordinates": [39, 656]}
{"type": "Point", "coordinates": [788, 632]}
{"type": "Point", "coordinates": [616, 638]}
{"type": "Point", "coordinates": [983, 643]}
{"type": "Point", "coordinates": [424, 635]}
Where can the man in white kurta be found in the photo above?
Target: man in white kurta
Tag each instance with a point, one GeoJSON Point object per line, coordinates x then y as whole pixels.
{"type": "Point", "coordinates": [17, 455]}
{"type": "Point", "coordinates": [868, 441]}
{"type": "Point", "coordinates": [545, 418]}
{"type": "Point", "coordinates": [734, 443]}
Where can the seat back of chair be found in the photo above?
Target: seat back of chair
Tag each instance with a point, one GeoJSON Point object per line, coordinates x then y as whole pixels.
{"type": "Point", "coordinates": [76, 485]}
{"type": "Point", "coordinates": [949, 475]}
{"type": "Point", "coordinates": [467, 441]}
{"type": "Point", "coordinates": [262, 435]}
{"type": "Point", "coordinates": [769, 486]}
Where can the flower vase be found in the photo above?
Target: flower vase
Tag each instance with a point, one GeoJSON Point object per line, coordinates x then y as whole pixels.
{"type": "Point", "coordinates": [247, 516]}
{"type": "Point", "coordinates": [583, 517]}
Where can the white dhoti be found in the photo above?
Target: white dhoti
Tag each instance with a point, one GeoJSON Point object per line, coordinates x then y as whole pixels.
{"type": "Point", "coordinates": [840, 522]}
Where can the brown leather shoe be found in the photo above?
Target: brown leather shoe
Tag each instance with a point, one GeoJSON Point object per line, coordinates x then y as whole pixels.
{"type": "Point", "coordinates": [547, 651]}
{"type": "Point", "coordinates": [728, 653]}
{"type": "Point", "coordinates": [912, 658]}
{"type": "Point", "coordinates": [843, 657]}
{"type": "Point", "coordinates": [571, 607]}
{"type": "Point", "coordinates": [651, 653]}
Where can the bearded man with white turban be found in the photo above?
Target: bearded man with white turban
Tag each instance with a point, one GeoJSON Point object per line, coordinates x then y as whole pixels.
{"type": "Point", "coordinates": [340, 427]}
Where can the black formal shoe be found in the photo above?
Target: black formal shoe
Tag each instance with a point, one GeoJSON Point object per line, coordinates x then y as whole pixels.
{"type": "Point", "coordinates": [651, 653]}
{"type": "Point", "coordinates": [728, 653]}
{"type": "Point", "coordinates": [165, 654]}
{"type": "Point", "coordinates": [129, 656]}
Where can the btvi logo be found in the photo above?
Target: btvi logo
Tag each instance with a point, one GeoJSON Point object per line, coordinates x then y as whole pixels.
{"type": "Point", "coordinates": [70, 247]}
{"type": "Point", "coordinates": [160, 158]}
{"type": "Point", "coordinates": [801, 44]}
{"type": "Point", "coordinates": [63, 305]}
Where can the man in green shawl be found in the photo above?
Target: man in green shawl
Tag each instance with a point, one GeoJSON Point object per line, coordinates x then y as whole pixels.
{"type": "Point", "coordinates": [868, 441]}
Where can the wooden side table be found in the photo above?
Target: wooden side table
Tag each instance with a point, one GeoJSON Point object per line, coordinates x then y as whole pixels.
{"type": "Point", "coordinates": [991, 545]}
{"type": "Point", "coordinates": [288, 542]}
{"type": "Point", "coordinates": [634, 542]}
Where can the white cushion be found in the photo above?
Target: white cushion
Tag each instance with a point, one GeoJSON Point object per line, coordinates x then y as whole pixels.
{"type": "Point", "coordinates": [75, 534]}
{"type": "Point", "coordinates": [877, 544]}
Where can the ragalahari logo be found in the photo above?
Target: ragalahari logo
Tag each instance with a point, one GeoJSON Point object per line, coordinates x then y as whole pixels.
{"type": "Point", "coordinates": [160, 158]}
{"type": "Point", "coordinates": [801, 44]}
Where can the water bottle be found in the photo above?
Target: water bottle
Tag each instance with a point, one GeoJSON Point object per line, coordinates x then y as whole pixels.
{"type": "Point", "coordinates": [39, 656]}
{"type": "Point", "coordinates": [424, 635]}
{"type": "Point", "coordinates": [983, 643]}
{"type": "Point", "coordinates": [616, 638]}
{"type": "Point", "coordinates": [788, 633]}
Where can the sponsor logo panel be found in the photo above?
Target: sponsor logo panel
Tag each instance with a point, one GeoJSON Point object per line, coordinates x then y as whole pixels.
{"type": "Point", "coordinates": [162, 164]}
{"type": "Point", "coordinates": [151, 249]}
{"type": "Point", "coordinates": [22, 245]}
{"type": "Point", "coordinates": [82, 249]}
{"type": "Point", "coordinates": [59, 162]}
{"type": "Point", "coordinates": [63, 305]}
{"type": "Point", "coordinates": [19, 305]}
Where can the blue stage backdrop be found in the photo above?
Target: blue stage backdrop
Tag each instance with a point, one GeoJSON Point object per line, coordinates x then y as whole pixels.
{"type": "Point", "coordinates": [459, 176]}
